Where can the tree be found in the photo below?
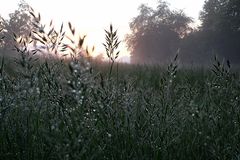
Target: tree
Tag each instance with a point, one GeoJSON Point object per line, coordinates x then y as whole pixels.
{"type": "Point", "coordinates": [156, 33]}
{"type": "Point", "coordinates": [1, 30]}
{"type": "Point", "coordinates": [221, 15]}
{"type": "Point", "coordinates": [19, 23]}
{"type": "Point", "coordinates": [221, 26]}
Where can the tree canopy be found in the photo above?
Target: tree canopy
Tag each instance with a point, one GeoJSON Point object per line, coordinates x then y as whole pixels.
{"type": "Point", "coordinates": [19, 23]}
{"type": "Point", "coordinates": [156, 33]}
{"type": "Point", "coordinates": [220, 31]}
{"type": "Point", "coordinates": [221, 15]}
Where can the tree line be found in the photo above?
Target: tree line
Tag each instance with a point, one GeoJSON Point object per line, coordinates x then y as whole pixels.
{"type": "Point", "coordinates": [158, 34]}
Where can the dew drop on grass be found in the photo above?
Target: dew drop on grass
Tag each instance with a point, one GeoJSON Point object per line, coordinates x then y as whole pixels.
{"type": "Point", "coordinates": [71, 63]}
{"type": "Point", "coordinates": [38, 90]}
{"type": "Point", "coordinates": [76, 66]}
{"type": "Point", "coordinates": [30, 90]}
{"type": "Point", "coordinates": [109, 135]}
{"type": "Point", "coordinates": [52, 127]}
{"type": "Point", "coordinates": [67, 156]}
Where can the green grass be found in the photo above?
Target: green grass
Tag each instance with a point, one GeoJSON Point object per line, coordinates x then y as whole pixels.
{"type": "Point", "coordinates": [52, 111]}
{"type": "Point", "coordinates": [72, 109]}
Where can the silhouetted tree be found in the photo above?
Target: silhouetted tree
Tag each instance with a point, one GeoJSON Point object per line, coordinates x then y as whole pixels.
{"type": "Point", "coordinates": [221, 27]}
{"type": "Point", "coordinates": [221, 15]}
{"type": "Point", "coordinates": [219, 33]}
{"type": "Point", "coordinates": [19, 23]}
{"type": "Point", "coordinates": [156, 33]}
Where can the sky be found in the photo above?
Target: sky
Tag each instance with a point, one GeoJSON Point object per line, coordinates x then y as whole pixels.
{"type": "Point", "coordinates": [91, 17]}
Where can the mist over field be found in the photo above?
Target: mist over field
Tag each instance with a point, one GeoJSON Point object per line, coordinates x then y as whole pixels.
{"type": "Point", "coordinates": [174, 95]}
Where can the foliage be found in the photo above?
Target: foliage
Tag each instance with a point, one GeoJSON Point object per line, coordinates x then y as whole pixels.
{"type": "Point", "coordinates": [218, 34]}
{"type": "Point", "coordinates": [155, 33]}
{"type": "Point", "coordinates": [221, 21]}
{"type": "Point", "coordinates": [19, 23]}
{"type": "Point", "coordinates": [220, 15]}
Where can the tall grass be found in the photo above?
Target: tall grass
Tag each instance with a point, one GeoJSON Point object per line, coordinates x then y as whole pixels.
{"type": "Point", "coordinates": [66, 109]}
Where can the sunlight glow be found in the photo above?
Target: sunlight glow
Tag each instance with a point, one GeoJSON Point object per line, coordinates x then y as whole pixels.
{"type": "Point", "coordinates": [91, 17]}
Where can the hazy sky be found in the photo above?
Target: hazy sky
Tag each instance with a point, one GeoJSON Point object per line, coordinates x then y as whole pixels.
{"type": "Point", "coordinates": [92, 16]}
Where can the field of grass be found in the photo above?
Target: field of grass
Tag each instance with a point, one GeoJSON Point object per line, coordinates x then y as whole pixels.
{"type": "Point", "coordinates": [77, 109]}
{"type": "Point", "coordinates": [70, 110]}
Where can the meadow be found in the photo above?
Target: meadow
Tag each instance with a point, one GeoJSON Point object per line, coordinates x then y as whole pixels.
{"type": "Point", "coordinates": [76, 108]}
